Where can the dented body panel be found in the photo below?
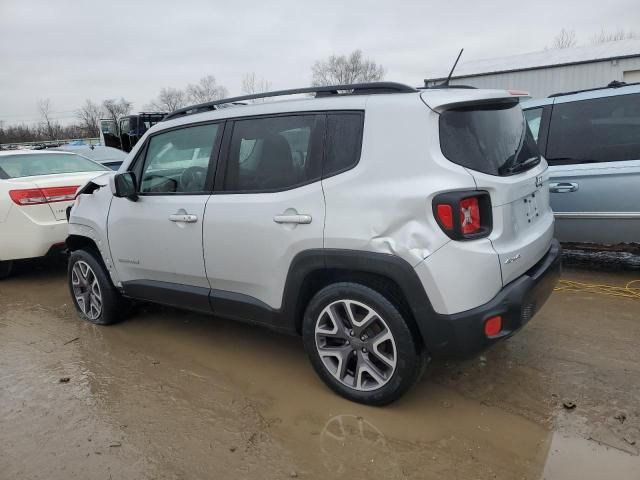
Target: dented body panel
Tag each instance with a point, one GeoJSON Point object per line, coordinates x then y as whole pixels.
{"type": "Point", "coordinates": [88, 219]}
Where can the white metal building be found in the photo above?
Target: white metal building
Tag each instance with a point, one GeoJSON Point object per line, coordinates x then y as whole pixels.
{"type": "Point", "coordinates": [552, 71]}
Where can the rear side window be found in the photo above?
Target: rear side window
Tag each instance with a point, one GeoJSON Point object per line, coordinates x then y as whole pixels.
{"type": "Point", "coordinates": [597, 130]}
{"type": "Point", "coordinates": [492, 139]}
{"type": "Point", "coordinates": [343, 142]}
{"type": "Point", "coordinates": [533, 117]}
{"type": "Point", "coordinates": [274, 153]}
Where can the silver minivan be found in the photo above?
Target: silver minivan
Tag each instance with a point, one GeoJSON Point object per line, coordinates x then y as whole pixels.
{"type": "Point", "coordinates": [591, 140]}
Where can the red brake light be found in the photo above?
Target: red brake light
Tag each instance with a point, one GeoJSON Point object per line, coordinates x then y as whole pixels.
{"type": "Point", "coordinates": [445, 215]}
{"type": "Point", "coordinates": [37, 196]}
{"type": "Point", "coordinates": [31, 196]}
{"type": "Point", "coordinates": [469, 215]}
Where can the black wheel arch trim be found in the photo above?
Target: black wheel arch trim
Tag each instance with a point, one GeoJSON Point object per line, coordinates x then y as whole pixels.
{"type": "Point", "coordinates": [288, 318]}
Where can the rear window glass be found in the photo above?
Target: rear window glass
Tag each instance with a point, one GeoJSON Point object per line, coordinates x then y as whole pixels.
{"type": "Point", "coordinates": [492, 139]}
{"type": "Point", "coordinates": [25, 165]}
{"type": "Point", "coordinates": [343, 142]}
{"type": "Point", "coordinates": [598, 130]}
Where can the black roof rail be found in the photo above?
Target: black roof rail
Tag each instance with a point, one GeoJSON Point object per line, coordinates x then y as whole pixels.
{"type": "Point", "coordinates": [352, 89]}
{"type": "Point", "coordinates": [440, 86]}
{"type": "Point", "coordinates": [614, 84]}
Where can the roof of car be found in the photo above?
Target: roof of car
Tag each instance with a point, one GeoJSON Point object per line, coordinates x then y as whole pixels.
{"type": "Point", "coordinates": [98, 153]}
{"type": "Point", "coordinates": [583, 95]}
{"type": "Point", "coordinates": [437, 97]}
{"type": "Point", "coordinates": [335, 91]}
{"type": "Point", "coordinates": [31, 152]}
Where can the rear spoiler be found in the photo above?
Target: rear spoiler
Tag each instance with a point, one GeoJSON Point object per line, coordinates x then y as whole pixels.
{"type": "Point", "coordinates": [441, 100]}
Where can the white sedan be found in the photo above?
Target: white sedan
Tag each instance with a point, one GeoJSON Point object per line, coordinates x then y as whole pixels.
{"type": "Point", "coordinates": [36, 187]}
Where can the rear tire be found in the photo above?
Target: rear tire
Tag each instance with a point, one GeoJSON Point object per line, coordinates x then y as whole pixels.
{"type": "Point", "coordinates": [5, 268]}
{"type": "Point", "coordinates": [95, 297]}
{"type": "Point", "coordinates": [360, 345]}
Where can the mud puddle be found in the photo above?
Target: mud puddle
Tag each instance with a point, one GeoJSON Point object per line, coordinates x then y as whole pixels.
{"type": "Point", "coordinates": [170, 394]}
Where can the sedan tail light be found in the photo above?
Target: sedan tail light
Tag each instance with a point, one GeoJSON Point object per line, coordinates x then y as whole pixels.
{"type": "Point", "coordinates": [37, 196]}
{"type": "Point", "coordinates": [464, 215]}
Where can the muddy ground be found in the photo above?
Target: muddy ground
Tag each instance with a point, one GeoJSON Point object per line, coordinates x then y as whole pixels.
{"type": "Point", "coordinates": [176, 395]}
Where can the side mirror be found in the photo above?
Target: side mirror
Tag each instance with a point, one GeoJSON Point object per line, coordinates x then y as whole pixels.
{"type": "Point", "coordinates": [124, 186]}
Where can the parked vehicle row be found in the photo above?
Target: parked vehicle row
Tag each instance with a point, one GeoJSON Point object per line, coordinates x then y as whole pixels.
{"type": "Point", "coordinates": [591, 140]}
{"type": "Point", "coordinates": [385, 225]}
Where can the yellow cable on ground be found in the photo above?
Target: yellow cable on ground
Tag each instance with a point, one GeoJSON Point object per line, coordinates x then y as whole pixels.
{"type": "Point", "coordinates": [628, 291]}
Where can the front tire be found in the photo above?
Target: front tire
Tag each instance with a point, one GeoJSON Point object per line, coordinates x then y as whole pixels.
{"type": "Point", "coordinates": [360, 345]}
{"type": "Point", "coordinates": [5, 268]}
{"type": "Point", "coordinates": [94, 295]}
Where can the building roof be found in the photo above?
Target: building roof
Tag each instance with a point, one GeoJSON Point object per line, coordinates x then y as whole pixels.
{"type": "Point", "coordinates": [546, 58]}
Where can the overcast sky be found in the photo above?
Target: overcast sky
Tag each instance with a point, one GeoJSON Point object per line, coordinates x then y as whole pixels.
{"type": "Point", "coordinates": [68, 51]}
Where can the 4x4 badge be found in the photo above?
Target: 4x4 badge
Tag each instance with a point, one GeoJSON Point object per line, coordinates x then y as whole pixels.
{"type": "Point", "coordinates": [513, 259]}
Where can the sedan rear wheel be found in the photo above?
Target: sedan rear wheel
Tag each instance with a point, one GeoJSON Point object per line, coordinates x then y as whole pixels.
{"type": "Point", "coordinates": [5, 268]}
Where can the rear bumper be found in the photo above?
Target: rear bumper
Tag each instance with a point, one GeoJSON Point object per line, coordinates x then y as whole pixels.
{"type": "Point", "coordinates": [462, 334]}
{"type": "Point", "coordinates": [22, 237]}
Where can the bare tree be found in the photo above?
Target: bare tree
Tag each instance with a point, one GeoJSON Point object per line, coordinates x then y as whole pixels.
{"type": "Point", "coordinates": [48, 125]}
{"type": "Point", "coordinates": [251, 85]}
{"type": "Point", "coordinates": [115, 109]}
{"type": "Point", "coordinates": [345, 69]}
{"type": "Point", "coordinates": [168, 100]}
{"type": "Point", "coordinates": [604, 36]}
{"type": "Point", "coordinates": [206, 90]}
{"type": "Point", "coordinates": [89, 114]}
{"type": "Point", "coordinates": [565, 39]}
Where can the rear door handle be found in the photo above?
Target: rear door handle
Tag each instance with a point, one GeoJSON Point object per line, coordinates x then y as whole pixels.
{"type": "Point", "coordinates": [563, 187]}
{"type": "Point", "coordinates": [183, 218]}
{"type": "Point", "coordinates": [297, 218]}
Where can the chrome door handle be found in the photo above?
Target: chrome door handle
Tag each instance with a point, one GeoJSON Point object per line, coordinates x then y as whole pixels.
{"type": "Point", "coordinates": [183, 218]}
{"type": "Point", "coordinates": [304, 219]}
{"type": "Point", "coordinates": [563, 187]}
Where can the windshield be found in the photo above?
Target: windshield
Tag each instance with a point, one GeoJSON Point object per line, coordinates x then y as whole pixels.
{"type": "Point", "coordinates": [26, 165]}
{"type": "Point", "coordinates": [493, 139]}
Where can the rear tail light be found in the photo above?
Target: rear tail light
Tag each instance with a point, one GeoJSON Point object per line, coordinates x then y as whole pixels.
{"type": "Point", "coordinates": [37, 196]}
{"type": "Point", "coordinates": [464, 215]}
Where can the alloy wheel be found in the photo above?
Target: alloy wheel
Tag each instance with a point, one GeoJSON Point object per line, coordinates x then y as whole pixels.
{"type": "Point", "coordinates": [86, 290]}
{"type": "Point", "coordinates": [356, 345]}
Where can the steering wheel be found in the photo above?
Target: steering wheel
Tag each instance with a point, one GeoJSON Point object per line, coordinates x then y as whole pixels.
{"type": "Point", "coordinates": [193, 179]}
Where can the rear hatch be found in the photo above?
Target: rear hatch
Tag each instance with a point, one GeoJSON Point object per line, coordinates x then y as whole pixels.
{"type": "Point", "coordinates": [485, 132]}
{"type": "Point", "coordinates": [56, 191]}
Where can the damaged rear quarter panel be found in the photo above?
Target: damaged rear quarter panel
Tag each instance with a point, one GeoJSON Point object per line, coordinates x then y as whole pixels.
{"type": "Point", "coordinates": [384, 204]}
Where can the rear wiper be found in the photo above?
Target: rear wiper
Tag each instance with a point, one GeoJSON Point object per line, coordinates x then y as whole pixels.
{"type": "Point", "coordinates": [518, 167]}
